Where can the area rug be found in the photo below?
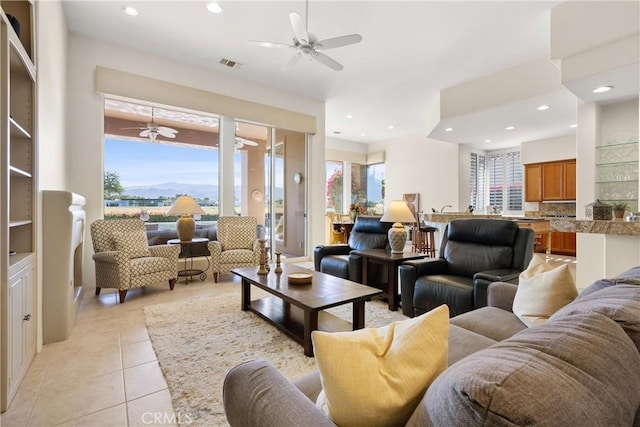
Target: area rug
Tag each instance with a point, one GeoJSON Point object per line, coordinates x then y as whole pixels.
{"type": "Point", "coordinates": [198, 341]}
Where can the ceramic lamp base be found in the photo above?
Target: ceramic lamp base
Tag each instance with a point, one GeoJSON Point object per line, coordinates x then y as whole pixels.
{"type": "Point", "coordinates": [397, 238]}
{"type": "Point", "coordinates": [186, 227]}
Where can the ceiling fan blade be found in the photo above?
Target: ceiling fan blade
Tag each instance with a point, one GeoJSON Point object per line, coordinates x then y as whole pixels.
{"type": "Point", "coordinates": [299, 29]}
{"type": "Point", "coordinates": [137, 127]}
{"type": "Point", "coordinates": [267, 44]}
{"type": "Point", "coordinates": [244, 141]}
{"type": "Point", "coordinates": [328, 61]}
{"type": "Point", "coordinates": [167, 129]}
{"type": "Point", "coordinates": [145, 133]}
{"type": "Point", "coordinates": [293, 61]}
{"type": "Point", "coordinates": [166, 133]}
{"type": "Point", "coordinates": [338, 41]}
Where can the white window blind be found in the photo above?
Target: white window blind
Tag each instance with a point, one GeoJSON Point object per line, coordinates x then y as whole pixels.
{"type": "Point", "coordinates": [514, 181]}
{"type": "Point", "coordinates": [476, 181]}
{"type": "Point", "coordinates": [495, 171]}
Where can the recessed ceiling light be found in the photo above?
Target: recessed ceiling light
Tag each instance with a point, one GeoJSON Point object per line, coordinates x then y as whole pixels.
{"type": "Point", "coordinates": [349, 116]}
{"type": "Point", "coordinates": [448, 130]}
{"type": "Point", "coordinates": [543, 107]}
{"type": "Point", "coordinates": [363, 134]}
{"type": "Point", "coordinates": [214, 7]}
{"type": "Point", "coordinates": [602, 89]}
{"type": "Point", "coordinates": [390, 127]}
{"type": "Point", "coordinates": [573, 126]}
{"type": "Point", "coordinates": [510, 128]}
{"type": "Point", "coordinates": [130, 10]}
{"type": "Point", "coordinates": [487, 140]}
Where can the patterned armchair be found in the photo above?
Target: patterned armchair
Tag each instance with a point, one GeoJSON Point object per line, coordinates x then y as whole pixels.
{"type": "Point", "coordinates": [123, 259]}
{"type": "Point", "coordinates": [237, 245]}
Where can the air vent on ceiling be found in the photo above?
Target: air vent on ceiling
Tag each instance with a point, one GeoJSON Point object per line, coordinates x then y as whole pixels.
{"type": "Point", "coordinates": [337, 132]}
{"type": "Point", "coordinates": [229, 63]}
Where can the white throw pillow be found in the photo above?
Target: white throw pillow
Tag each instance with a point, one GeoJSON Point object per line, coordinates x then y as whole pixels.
{"type": "Point", "coordinates": [377, 377]}
{"type": "Point", "coordinates": [543, 290]}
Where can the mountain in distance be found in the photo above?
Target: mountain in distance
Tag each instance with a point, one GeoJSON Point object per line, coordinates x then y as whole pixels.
{"type": "Point", "coordinates": [170, 189]}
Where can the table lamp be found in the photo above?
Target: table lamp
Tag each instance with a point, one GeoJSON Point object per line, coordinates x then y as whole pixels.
{"type": "Point", "coordinates": [185, 226]}
{"type": "Point", "coordinates": [397, 212]}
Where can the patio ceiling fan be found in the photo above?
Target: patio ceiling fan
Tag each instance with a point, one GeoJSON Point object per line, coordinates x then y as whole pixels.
{"type": "Point", "coordinates": [241, 142]}
{"type": "Point", "coordinates": [151, 130]}
{"type": "Point", "coordinates": [308, 44]}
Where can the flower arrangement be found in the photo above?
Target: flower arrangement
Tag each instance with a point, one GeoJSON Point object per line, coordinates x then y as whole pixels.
{"type": "Point", "coordinates": [355, 210]}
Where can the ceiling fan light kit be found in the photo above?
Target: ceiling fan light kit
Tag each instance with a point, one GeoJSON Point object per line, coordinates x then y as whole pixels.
{"type": "Point", "coordinates": [308, 45]}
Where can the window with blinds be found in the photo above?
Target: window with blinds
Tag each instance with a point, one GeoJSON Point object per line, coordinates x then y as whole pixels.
{"type": "Point", "coordinates": [495, 172]}
{"type": "Point", "coordinates": [498, 175]}
{"type": "Point", "coordinates": [514, 181]}
{"type": "Point", "coordinates": [476, 181]}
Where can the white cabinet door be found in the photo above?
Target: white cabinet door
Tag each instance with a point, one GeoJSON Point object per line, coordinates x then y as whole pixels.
{"type": "Point", "coordinates": [28, 315]}
{"type": "Point", "coordinates": [21, 328]}
{"type": "Point", "coordinates": [16, 348]}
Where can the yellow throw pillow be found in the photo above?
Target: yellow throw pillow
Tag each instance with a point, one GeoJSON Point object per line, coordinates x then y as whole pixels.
{"type": "Point", "coordinates": [377, 377]}
{"type": "Point", "coordinates": [543, 290]}
{"type": "Point", "coordinates": [132, 243]}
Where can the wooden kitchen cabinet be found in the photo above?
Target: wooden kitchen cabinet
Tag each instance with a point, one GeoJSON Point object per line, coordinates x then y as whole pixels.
{"type": "Point", "coordinates": [533, 183]}
{"type": "Point", "coordinates": [563, 243]}
{"type": "Point", "coordinates": [550, 181]}
{"type": "Point", "coordinates": [570, 179]}
{"type": "Point", "coordinates": [553, 181]}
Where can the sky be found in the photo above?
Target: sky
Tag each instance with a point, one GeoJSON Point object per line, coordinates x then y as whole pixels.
{"type": "Point", "coordinates": [146, 163]}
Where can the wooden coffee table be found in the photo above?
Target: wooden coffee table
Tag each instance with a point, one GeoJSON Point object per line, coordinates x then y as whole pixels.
{"type": "Point", "coordinates": [298, 310]}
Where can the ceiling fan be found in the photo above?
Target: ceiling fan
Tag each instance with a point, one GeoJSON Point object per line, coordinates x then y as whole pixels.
{"type": "Point", "coordinates": [152, 130]}
{"type": "Point", "coordinates": [308, 45]}
{"type": "Point", "coordinates": [241, 142]}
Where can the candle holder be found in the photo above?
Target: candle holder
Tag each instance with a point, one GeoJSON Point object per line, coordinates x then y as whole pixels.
{"type": "Point", "coordinates": [278, 269]}
{"type": "Point", "coordinates": [262, 267]}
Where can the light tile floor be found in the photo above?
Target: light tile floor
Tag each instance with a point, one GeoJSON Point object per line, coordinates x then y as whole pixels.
{"type": "Point", "coordinates": [106, 373]}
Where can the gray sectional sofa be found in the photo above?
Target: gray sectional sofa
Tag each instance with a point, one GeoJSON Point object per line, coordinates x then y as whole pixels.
{"type": "Point", "coordinates": [580, 368]}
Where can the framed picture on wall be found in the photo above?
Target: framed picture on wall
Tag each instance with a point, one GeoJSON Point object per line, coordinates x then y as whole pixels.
{"type": "Point", "coordinates": [413, 201]}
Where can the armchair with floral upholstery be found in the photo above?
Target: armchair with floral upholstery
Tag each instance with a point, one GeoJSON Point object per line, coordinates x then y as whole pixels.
{"type": "Point", "coordinates": [124, 260]}
{"type": "Point", "coordinates": [237, 245]}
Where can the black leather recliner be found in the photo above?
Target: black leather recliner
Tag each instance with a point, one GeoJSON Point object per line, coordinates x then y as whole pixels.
{"type": "Point", "coordinates": [473, 254]}
{"type": "Point", "coordinates": [367, 233]}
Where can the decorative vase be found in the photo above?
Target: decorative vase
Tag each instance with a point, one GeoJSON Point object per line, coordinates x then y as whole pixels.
{"type": "Point", "coordinates": [354, 215]}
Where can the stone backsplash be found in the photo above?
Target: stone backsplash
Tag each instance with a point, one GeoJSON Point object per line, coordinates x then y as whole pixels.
{"type": "Point", "coordinates": [553, 210]}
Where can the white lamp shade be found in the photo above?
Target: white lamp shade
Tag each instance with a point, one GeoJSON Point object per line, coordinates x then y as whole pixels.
{"type": "Point", "coordinates": [397, 212]}
{"type": "Point", "coordinates": [185, 226]}
{"type": "Point", "coordinates": [185, 205]}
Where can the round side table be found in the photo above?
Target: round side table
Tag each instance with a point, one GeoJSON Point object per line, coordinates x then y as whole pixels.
{"type": "Point", "coordinates": [186, 252]}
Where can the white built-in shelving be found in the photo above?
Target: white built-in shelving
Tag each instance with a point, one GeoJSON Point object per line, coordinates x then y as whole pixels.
{"type": "Point", "coordinates": [18, 189]}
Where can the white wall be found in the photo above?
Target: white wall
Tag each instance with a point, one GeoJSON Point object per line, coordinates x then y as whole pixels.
{"type": "Point", "coordinates": [85, 120]}
{"type": "Point", "coordinates": [548, 150]}
{"type": "Point", "coordinates": [51, 94]}
{"type": "Point", "coordinates": [416, 164]}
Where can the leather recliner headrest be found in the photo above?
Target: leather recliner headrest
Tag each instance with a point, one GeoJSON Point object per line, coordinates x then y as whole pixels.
{"type": "Point", "coordinates": [495, 232]}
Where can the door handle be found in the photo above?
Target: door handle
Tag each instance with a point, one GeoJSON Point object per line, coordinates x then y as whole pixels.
{"type": "Point", "coordinates": [27, 317]}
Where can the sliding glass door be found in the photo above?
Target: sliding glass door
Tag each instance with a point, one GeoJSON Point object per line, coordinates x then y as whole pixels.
{"type": "Point", "coordinates": [270, 184]}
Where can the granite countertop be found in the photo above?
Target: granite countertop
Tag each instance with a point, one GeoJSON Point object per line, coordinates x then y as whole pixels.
{"type": "Point", "coordinates": [558, 224]}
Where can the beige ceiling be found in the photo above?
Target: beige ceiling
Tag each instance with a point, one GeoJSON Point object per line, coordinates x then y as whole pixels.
{"type": "Point", "coordinates": [411, 50]}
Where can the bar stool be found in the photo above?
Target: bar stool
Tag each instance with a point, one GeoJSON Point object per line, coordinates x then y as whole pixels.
{"type": "Point", "coordinates": [424, 241]}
